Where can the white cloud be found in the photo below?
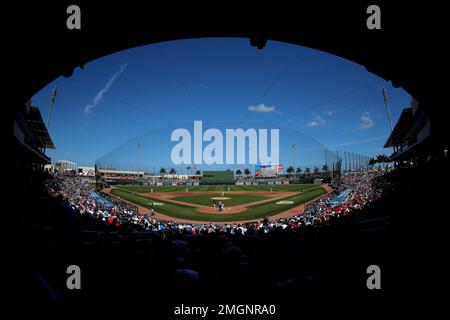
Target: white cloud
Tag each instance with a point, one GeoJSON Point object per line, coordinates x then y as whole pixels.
{"type": "Point", "coordinates": [262, 108]}
{"type": "Point", "coordinates": [331, 112]}
{"type": "Point", "coordinates": [366, 121]}
{"type": "Point", "coordinates": [316, 121]}
{"type": "Point", "coordinates": [102, 92]}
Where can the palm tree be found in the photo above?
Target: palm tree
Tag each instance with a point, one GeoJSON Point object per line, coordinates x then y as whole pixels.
{"type": "Point", "coordinates": [307, 170]}
{"type": "Point", "coordinates": [162, 171]}
{"type": "Point", "coordinates": [382, 158]}
{"type": "Point", "coordinates": [379, 158]}
{"type": "Point", "coordinates": [325, 168]}
{"type": "Point", "coordinates": [247, 172]}
{"type": "Point", "coordinates": [299, 170]}
{"type": "Point", "coordinates": [198, 172]}
{"type": "Point", "coordinates": [290, 170]}
{"type": "Point", "coordinates": [239, 172]}
{"type": "Point", "coordinates": [316, 170]}
{"type": "Point", "coordinates": [172, 171]}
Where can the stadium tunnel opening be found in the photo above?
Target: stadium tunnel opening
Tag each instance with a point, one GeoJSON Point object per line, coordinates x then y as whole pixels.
{"type": "Point", "coordinates": [114, 157]}
{"type": "Point", "coordinates": [372, 53]}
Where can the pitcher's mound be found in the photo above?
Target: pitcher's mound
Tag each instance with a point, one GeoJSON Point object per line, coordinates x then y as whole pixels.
{"type": "Point", "coordinates": [220, 198]}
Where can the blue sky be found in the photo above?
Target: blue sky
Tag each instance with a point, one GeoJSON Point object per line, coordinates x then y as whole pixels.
{"type": "Point", "coordinates": [130, 93]}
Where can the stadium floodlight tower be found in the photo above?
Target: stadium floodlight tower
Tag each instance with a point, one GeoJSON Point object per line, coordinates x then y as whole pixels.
{"type": "Point", "coordinates": [386, 103]}
{"type": "Point", "coordinates": [52, 103]}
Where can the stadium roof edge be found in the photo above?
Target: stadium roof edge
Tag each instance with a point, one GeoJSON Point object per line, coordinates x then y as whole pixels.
{"type": "Point", "coordinates": [39, 129]}
{"type": "Point", "coordinates": [401, 129]}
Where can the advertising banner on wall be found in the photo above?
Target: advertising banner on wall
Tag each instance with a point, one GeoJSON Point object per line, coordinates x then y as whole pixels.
{"type": "Point", "coordinates": [268, 170]}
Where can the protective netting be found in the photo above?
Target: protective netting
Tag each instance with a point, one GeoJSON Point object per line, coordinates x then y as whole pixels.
{"type": "Point", "coordinates": [153, 150]}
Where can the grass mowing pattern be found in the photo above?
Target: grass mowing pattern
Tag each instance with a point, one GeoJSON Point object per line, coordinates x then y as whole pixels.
{"type": "Point", "coordinates": [235, 199]}
{"type": "Point", "coordinates": [255, 212]}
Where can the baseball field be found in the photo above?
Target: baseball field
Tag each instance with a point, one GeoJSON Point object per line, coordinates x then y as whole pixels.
{"type": "Point", "coordinates": [220, 203]}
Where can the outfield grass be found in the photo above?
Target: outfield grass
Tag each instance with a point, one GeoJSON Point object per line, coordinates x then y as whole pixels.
{"type": "Point", "coordinates": [235, 199]}
{"type": "Point", "coordinates": [190, 213]}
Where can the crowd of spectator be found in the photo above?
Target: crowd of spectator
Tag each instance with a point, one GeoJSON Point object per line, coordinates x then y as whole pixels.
{"type": "Point", "coordinates": [94, 208]}
{"type": "Point", "coordinates": [98, 209]}
{"type": "Point", "coordinates": [321, 250]}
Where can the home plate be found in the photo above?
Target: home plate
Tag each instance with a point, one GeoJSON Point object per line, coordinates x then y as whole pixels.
{"type": "Point", "coordinates": [285, 202]}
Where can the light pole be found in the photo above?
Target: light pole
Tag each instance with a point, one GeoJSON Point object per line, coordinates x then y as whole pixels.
{"type": "Point", "coordinates": [386, 103]}
{"type": "Point", "coordinates": [52, 102]}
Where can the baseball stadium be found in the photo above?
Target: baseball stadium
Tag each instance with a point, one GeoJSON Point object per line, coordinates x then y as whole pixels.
{"type": "Point", "coordinates": [220, 204]}
{"type": "Point", "coordinates": [217, 192]}
{"type": "Point", "coordinates": [176, 170]}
